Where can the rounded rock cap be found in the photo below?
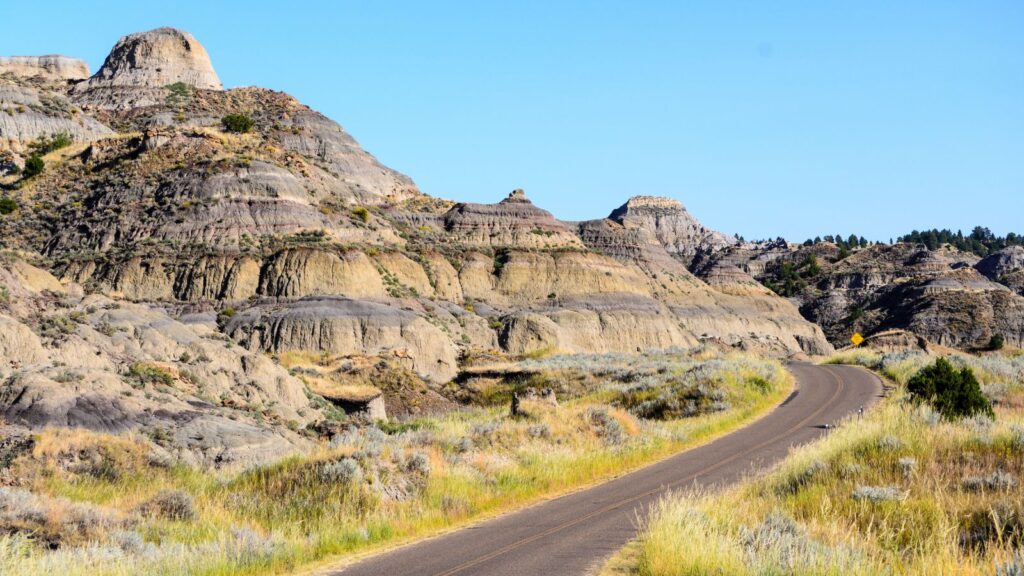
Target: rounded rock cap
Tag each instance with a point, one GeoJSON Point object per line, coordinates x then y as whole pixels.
{"type": "Point", "coordinates": [155, 59]}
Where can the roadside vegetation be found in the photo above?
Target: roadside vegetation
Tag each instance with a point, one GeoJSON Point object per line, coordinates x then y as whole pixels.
{"type": "Point", "coordinates": [913, 487]}
{"type": "Point", "coordinates": [75, 502]}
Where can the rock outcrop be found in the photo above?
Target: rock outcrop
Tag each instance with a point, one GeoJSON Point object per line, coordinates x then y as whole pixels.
{"type": "Point", "coordinates": [679, 233]}
{"type": "Point", "coordinates": [50, 67]}
{"type": "Point", "coordinates": [341, 254]}
{"type": "Point", "coordinates": [190, 257]}
{"type": "Point", "coordinates": [514, 221]}
{"type": "Point", "coordinates": [155, 59]}
{"type": "Point", "coordinates": [347, 326]}
{"type": "Point", "coordinates": [1006, 267]}
{"type": "Point", "coordinates": [937, 294]}
{"type": "Point", "coordinates": [114, 366]}
{"type": "Point", "coordinates": [32, 109]}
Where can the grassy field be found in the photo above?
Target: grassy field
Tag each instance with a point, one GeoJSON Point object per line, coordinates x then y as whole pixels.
{"type": "Point", "coordinates": [86, 503]}
{"type": "Point", "coordinates": [899, 492]}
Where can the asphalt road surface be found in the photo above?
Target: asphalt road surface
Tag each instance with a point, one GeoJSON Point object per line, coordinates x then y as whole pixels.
{"type": "Point", "coordinates": [576, 533]}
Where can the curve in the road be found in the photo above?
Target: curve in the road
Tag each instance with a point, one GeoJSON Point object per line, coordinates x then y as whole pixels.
{"type": "Point", "coordinates": [576, 532]}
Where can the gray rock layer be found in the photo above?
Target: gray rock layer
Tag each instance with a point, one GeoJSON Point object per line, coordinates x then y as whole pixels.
{"type": "Point", "coordinates": [29, 111]}
{"type": "Point", "coordinates": [115, 366]}
{"type": "Point", "coordinates": [50, 67]}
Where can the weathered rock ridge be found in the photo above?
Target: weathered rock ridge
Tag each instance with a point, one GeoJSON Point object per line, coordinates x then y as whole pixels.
{"type": "Point", "coordinates": [679, 233]}
{"type": "Point", "coordinates": [49, 67]}
{"type": "Point", "coordinates": [32, 107]}
{"type": "Point", "coordinates": [1006, 267]}
{"type": "Point", "coordinates": [181, 258]}
{"type": "Point", "coordinates": [113, 366]}
{"type": "Point", "coordinates": [945, 295]}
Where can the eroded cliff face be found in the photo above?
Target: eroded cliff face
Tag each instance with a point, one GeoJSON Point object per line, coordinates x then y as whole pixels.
{"type": "Point", "coordinates": [185, 255]}
{"type": "Point", "coordinates": [37, 106]}
{"type": "Point", "coordinates": [947, 296]}
{"type": "Point", "coordinates": [682, 235]}
{"type": "Point", "coordinates": [89, 361]}
{"type": "Point", "coordinates": [1006, 267]}
{"type": "Point", "coordinates": [49, 67]}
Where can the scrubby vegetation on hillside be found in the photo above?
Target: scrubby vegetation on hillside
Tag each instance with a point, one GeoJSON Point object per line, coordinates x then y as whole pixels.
{"type": "Point", "coordinates": [238, 123]}
{"type": "Point", "coordinates": [902, 491]}
{"type": "Point", "coordinates": [86, 503]}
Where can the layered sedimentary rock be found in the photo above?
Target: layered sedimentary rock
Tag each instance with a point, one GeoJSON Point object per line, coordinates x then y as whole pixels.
{"type": "Point", "coordinates": [514, 221]}
{"type": "Point", "coordinates": [30, 109]}
{"type": "Point", "coordinates": [49, 67]}
{"type": "Point", "coordinates": [731, 307]}
{"type": "Point", "coordinates": [188, 254]}
{"type": "Point", "coordinates": [157, 58]}
{"type": "Point", "coordinates": [1006, 267]}
{"type": "Point", "coordinates": [114, 366]}
{"type": "Point", "coordinates": [347, 326]}
{"type": "Point", "coordinates": [596, 323]}
{"type": "Point", "coordinates": [676, 230]}
{"type": "Point", "coordinates": [937, 294]}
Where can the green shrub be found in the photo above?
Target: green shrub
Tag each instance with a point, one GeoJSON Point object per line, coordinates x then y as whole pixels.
{"type": "Point", "coordinates": [810, 266]}
{"type": "Point", "coordinates": [33, 166]}
{"type": "Point", "coordinates": [238, 123]}
{"type": "Point", "coordinates": [141, 374]}
{"type": "Point", "coordinates": [996, 343]}
{"type": "Point", "coordinates": [43, 145]}
{"type": "Point", "coordinates": [178, 92]}
{"type": "Point", "coordinates": [361, 213]}
{"type": "Point", "coordinates": [952, 393]}
{"type": "Point", "coordinates": [7, 205]}
{"type": "Point", "coordinates": [225, 316]}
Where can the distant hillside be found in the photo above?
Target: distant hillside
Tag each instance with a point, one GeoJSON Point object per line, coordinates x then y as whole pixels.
{"type": "Point", "coordinates": [981, 241]}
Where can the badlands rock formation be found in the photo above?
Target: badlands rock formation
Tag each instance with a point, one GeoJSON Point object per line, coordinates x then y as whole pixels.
{"type": "Point", "coordinates": [1006, 267]}
{"type": "Point", "coordinates": [514, 221]}
{"type": "Point", "coordinates": [51, 67]}
{"type": "Point", "coordinates": [155, 59]}
{"type": "Point", "coordinates": [36, 105]}
{"type": "Point", "coordinates": [681, 234]}
{"type": "Point", "coordinates": [942, 295]}
{"type": "Point", "coordinates": [344, 255]}
{"type": "Point", "coordinates": [68, 359]}
{"type": "Point", "coordinates": [173, 262]}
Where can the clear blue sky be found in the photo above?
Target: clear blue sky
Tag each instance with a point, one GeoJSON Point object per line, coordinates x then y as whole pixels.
{"type": "Point", "coordinates": [764, 118]}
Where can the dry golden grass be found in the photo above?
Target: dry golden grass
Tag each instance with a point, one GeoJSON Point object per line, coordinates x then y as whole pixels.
{"type": "Point", "coordinates": [365, 490]}
{"type": "Point", "coordinates": [333, 389]}
{"type": "Point", "coordinates": [899, 492]}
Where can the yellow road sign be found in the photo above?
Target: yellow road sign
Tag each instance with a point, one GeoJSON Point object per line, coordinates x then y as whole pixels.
{"type": "Point", "coordinates": [856, 339]}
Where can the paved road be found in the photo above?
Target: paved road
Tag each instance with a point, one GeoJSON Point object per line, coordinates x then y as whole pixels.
{"type": "Point", "coordinates": [576, 533]}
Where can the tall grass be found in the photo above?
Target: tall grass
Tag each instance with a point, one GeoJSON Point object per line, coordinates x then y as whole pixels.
{"type": "Point", "coordinates": [897, 492]}
{"type": "Point", "coordinates": [1005, 369]}
{"type": "Point", "coordinates": [367, 488]}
